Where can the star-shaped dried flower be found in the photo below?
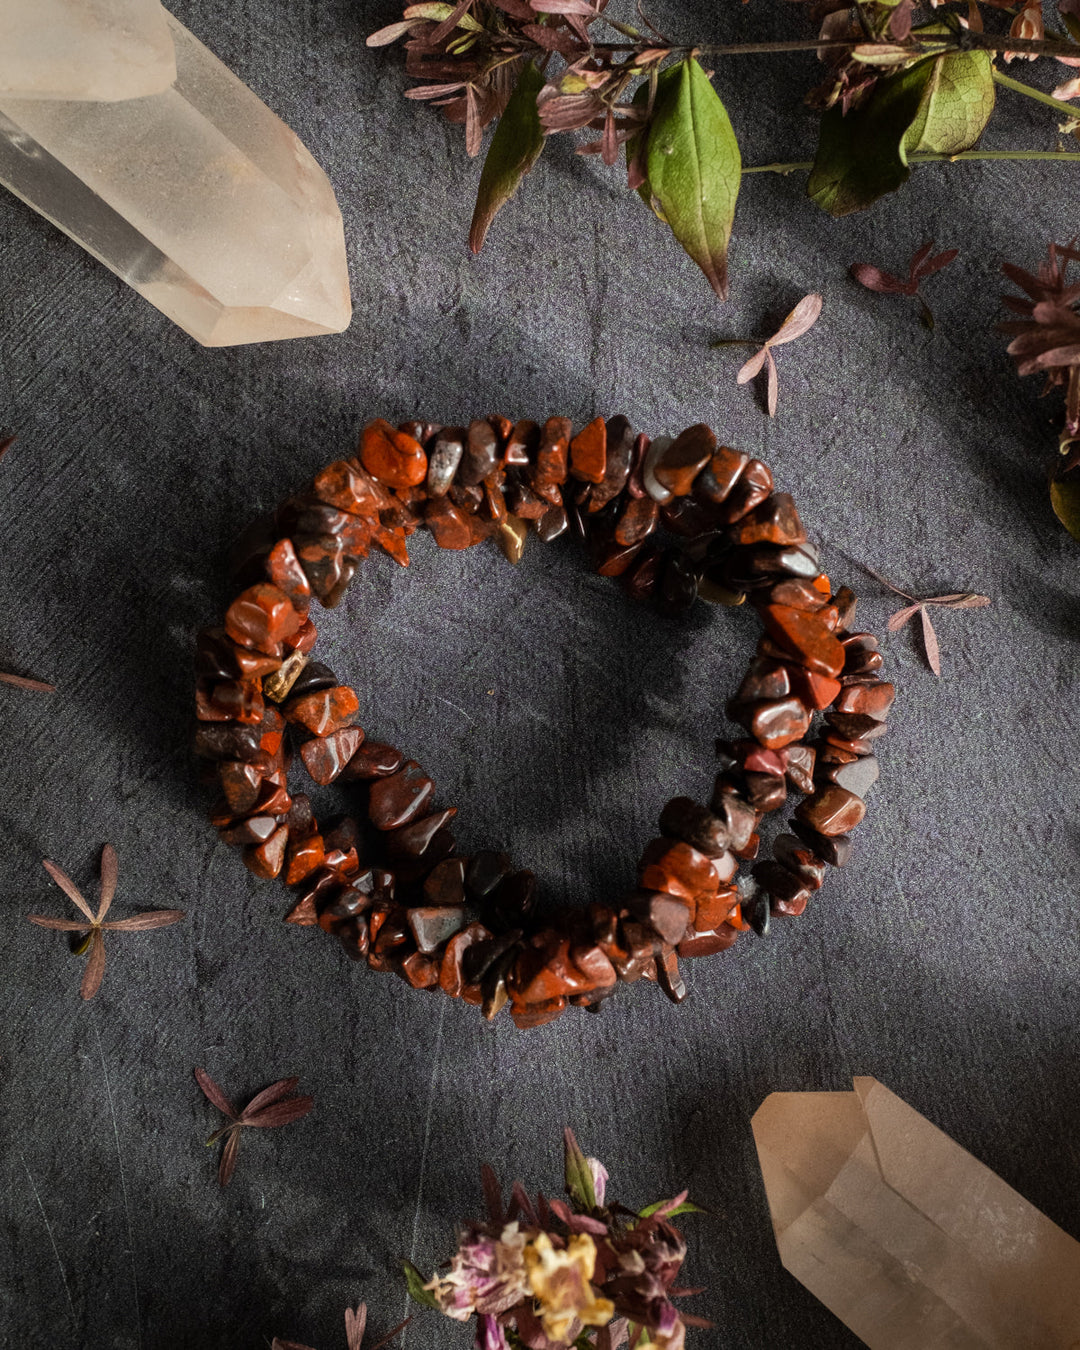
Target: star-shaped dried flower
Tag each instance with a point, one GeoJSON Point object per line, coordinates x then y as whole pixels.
{"type": "Point", "coordinates": [355, 1326]}
{"type": "Point", "coordinates": [94, 925]}
{"type": "Point", "coordinates": [272, 1106]}
{"type": "Point", "coordinates": [800, 320]}
{"type": "Point", "coordinates": [924, 263]}
{"type": "Point", "coordinates": [958, 600]}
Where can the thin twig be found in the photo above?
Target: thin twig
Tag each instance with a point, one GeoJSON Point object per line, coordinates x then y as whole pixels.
{"type": "Point", "coordinates": [930, 157]}
{"type": "Point", "coordinates": [968, 41]}
{"type": "Point", "coordinates": [1018, 87]}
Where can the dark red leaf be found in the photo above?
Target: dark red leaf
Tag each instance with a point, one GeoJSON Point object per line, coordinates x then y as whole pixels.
{"type": "Point", "coordinates": [273, 1093]}
{"type": "Point", "coordinates": [214, 1094]}
{"type": "Point", "coordinates": [141, 923]}
{"type": "Point", "coordinates": [68, 887]}
{"type": "Point", "coordinates": [938, 261]}
{"type": "Point", "coordinates": [95, 966]}
{"type": "Point", "coordinates": [281, 1113]}
{"type": "Point", "coordinates": [227, 1166]}
{"type": "Point", "coordinates": [874, 279]}
{"type": "Point", "coordinates": [492, 1193]}
{"type": "Point", "coordinates": [389, 1335]}
{"type": "Point", "coordinates": [933, 654]}
{"type": "Point", "coordinates": [21, 682]}
{"type": "Point", "coordinates": [5, 445]}
{"type": "Point", "coordinates": [109, 871]}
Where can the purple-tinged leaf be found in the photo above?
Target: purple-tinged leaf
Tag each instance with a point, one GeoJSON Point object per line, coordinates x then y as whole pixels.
{"type": "Point", "coordinates": [424, 91]}
{"type": "Point", "coordinates": [552, 39]}
{"type": "Point", "coordinates": [492, 1193]}
{"type": "Point", "coordinates": [355, 1326]}
{"type": "Point", "coordinates": [281, 1113]}
{"type": "Point", "coordinates": [21, 681]}
{"type": "Point", "coordinates": [95, 966]}
{"type": "Point", "coordinates": [68, 887]}
{"type": "Point", "coordinates": [5, 445]}
{"type": "Point", "coordinates": [227, 1165]}
{"type": "Point", "coordinates": [384, 36]}
{"type": "Point", "coordinates": [900, 21]}
{"type": "Point", "coordinates": [474, 132]}
{"type": "Point", "coordinates": [874, 279]}
{"type": "Point", "coordinates": [389, 1335]}
{"type": "Point", "coordinates": [752, 367]}
{"type": "Point", "coordinates": [933, 653]}
{"type": "Point", "coordinates": [521, 1204]}
{"type": "Point", "coordinates": [273, 1093]}
{"type": "Point", "coordinates": [577, 1223]}
{"type": "Point", "coordinates": [897, 620]}
{"type": "Point", "coordinates": [59, 925]}
{"type": "Point", "coordinates": [109, 871]}
{"type": "Point", "coordinates": [773, 383]}
{"type": "Point", "coordinates": [563, 7]}
{"type": "Point", "coordinates": [938, 261]}
{"type": "Point", "coordinates": [515, 147]}
{"type": "Point", "coordinates": [141, 923]}
{"type": "Point", "coordinates": [214, 1094]}
{"type": "Point", "coordinates": [444, 29]}
{"type": "Point", "coordinates": [801, 319]}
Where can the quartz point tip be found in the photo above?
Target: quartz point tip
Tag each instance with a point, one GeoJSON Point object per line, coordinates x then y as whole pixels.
{"type": "Point", "coordinates": [910, 1240]}
{"type": "Point", "coordinates": [197, 196]}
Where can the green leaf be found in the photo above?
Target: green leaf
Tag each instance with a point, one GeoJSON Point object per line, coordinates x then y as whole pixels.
{"type": "Point", "coordinates": [1065, 499]}
{"type": "Point", "coordinates": [439, 12]}
{"type": "Point", "coordinates": [940, 103]}
{"type": "Point", "coordinates": [687, 1207]}
{"type": "Point", "coordinates": [415, 1282]}
{"type": "Point", "coordinates": [694, 168]}
{"type": "Point", "coordinates": [579, 1179]}
{"type": "Point", "coordinates": [958, 98]}
{"type": "Point", "coordinates": [514, 149]}
{"type": "Point", "coordinates": [860, 157]}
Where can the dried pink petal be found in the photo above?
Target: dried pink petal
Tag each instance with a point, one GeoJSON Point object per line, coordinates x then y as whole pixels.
{"type": "Point", "coordinates": [801, 319]}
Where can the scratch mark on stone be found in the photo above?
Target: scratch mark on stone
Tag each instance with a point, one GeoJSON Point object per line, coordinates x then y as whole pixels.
{"type": "Point", "coordinates": [456, 709]}
{"type": "Point", "coordinates": [123, 1190]}
{"type": "Point", "coordinates": [56, 1249]}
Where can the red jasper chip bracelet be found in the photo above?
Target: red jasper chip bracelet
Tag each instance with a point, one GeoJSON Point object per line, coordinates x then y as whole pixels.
{"type": "Point", "coordinates": [673, 519]}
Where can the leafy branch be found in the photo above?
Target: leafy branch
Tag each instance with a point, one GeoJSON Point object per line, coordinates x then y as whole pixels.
{"type": "Point", "coordinates": [895, 93]}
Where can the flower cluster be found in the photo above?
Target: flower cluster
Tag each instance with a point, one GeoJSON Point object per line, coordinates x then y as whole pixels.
{"type": "Point", "coordinates": [549, 1274]}
{"type": "Point", "coordinates": [470, 55]}
{"type": "Point", "coordinates": [1047, 335]}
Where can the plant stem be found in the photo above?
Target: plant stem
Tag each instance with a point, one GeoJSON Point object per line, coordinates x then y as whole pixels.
{"type": "Point", "coordinates": [929, 157]}
{"type": "Point", "coordinates": [967, 41]}
{"type": "Point", "coordinates": [1018, 87]}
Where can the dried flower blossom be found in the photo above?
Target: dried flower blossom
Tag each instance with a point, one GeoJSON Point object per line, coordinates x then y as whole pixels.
{"type": "Point", "coordinates": [94, 925]}
{"type": "Point", "coordinates": [801, 319]}
{"type": "Point", "coordinates": [924, 263]}
{"type": "Point", "coordinates": [1047, 335]}
{"type": "Point", "coordinates": [273, 1106]}
{"type": "Point", "coordinates": [551, 1274]}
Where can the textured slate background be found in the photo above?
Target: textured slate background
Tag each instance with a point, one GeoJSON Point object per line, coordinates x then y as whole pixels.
{"type": "Point", "coordinates": [942, 960]}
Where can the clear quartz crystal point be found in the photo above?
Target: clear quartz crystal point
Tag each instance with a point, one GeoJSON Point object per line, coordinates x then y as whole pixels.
{"type": "Point", "coordinates": [908, 1239]}
{"type": "Point", "coordinates": [199, 197]}
{"type": "Point", "coordinates": [85, 49]}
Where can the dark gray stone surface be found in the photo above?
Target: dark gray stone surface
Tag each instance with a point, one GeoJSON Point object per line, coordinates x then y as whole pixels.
{"type": "Point", "coordinates": [943, 960]}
